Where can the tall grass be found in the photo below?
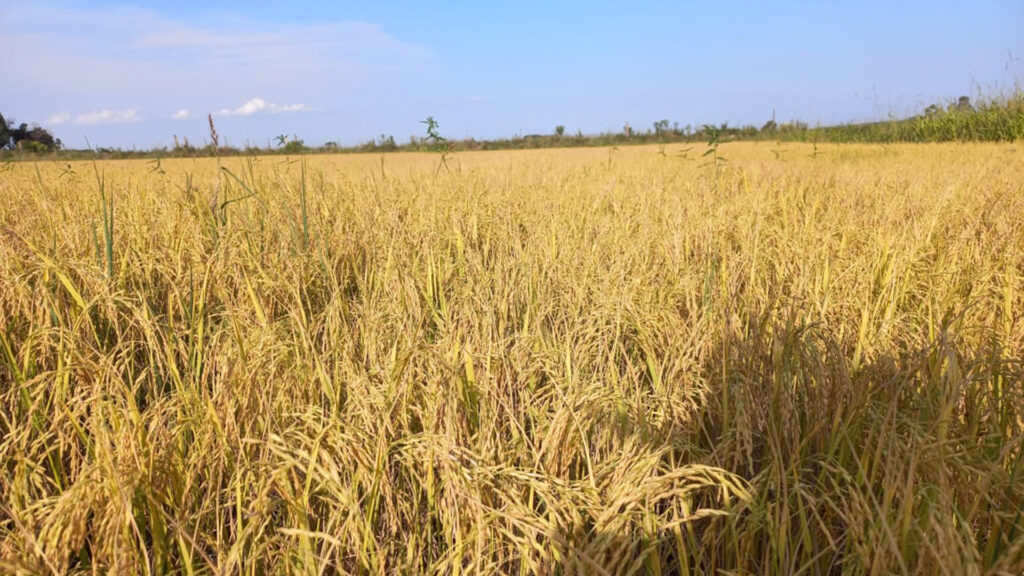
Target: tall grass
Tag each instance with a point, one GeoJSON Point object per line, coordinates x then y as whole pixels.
{"type": "Point", "coordinates": [995, 119]}
{"type": "Point", "coordinates": [536, 363]}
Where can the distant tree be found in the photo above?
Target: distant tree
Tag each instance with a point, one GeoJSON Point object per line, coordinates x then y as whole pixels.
{"type": "Point", "coordinates": [661, 126]}
{"type": "Point", "coordinates": [33, 146]}
{"type": "Point", "coordinates": [32, 138]}
{"type": "Point", "coordinates": [770, 127]}
{"type": "Point", "coordinates": [45, 138]}
{"type": "Point", "coordinates": [18, 133]}
{"type": "Point", "coordinates": [294, 146]}
{"type": "Point", "coordinates": [5, 133]}
{"type": "Point", "coordinates": [559, 130]}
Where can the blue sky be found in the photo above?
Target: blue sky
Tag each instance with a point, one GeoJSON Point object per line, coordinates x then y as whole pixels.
{"type": "Point", "coordinates": [136, 74]}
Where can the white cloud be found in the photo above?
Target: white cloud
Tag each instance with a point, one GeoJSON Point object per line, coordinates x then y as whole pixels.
{"type": "Point", "coordinates": [110, 57]}
{"type": "Point", "coordinates": [109, 116]}
{"type": "Point", "coordinates": [257, 105]}
{"type": "Point", "coordinates": [71, 51]}
{"type": "Point", "coordinates": [59, 118]}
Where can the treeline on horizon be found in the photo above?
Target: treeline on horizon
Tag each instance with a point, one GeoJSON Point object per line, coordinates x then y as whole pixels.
{"type": "Point", "coordinates": [987, 120]}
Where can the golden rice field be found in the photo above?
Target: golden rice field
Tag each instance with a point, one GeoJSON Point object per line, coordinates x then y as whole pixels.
{"type": "Point", "coordinates": [593, 361]}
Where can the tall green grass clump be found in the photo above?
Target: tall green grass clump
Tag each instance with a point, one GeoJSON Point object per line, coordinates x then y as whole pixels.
{"type": "Point", "coordinates": [991, 119]}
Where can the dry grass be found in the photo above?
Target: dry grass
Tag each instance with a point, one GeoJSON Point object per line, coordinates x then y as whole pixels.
{"type": "Point", "coordinates": [557, 362]}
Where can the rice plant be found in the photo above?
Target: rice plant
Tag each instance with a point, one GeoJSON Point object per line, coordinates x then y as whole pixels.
{"type": "Point", "coordinates": [542, 363]}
